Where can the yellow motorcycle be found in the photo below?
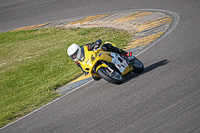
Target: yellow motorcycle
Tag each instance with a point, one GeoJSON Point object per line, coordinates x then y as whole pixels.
{"type": "Point", "coordinates": [108, 65]}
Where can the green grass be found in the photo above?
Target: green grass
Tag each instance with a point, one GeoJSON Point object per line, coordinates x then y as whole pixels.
{"type": "Point", "coordinates": [34, 63]}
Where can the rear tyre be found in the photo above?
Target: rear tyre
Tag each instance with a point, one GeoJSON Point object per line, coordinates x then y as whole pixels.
{"type": "Point", "coordinates": [137, 65]}
{"type": "Point", "coordinates": [114, 77]}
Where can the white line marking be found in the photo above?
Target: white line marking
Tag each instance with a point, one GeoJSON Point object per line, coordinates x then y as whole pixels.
{"type": "Point", "coordinates": [172, 26]}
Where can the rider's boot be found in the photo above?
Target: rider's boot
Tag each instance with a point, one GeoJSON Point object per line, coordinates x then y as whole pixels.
{"type": "Point", "coordinates": [122, 52]}
{"type": "Point", "coordinates": [128, 56]}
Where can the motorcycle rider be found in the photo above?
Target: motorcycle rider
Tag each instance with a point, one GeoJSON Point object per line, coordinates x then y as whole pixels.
{"type": "Point", "coordinates": [73, 49]}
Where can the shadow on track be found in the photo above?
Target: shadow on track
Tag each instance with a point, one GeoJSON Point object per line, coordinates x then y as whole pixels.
{"type": "Point", "coordinates": [147, 69]}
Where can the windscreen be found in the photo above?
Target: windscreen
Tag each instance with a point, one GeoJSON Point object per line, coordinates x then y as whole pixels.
{"type": "Point", "coordinates": [81, 54]}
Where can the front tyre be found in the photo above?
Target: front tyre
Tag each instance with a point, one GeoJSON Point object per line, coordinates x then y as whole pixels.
{"type": "Point", "coordinates": [137, 65]}
{"type": "Point", "coordinates": [96, 78]}
{"type": "Point", "coordinates": [112, 77]}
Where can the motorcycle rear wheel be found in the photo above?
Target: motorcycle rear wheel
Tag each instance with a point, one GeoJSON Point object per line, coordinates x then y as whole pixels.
{"type": "Point", "coordinates": [137, 65]}
{"type": "Point", "coordinates": [114, 77]}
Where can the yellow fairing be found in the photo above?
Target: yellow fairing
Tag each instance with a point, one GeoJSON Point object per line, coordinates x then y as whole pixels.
{"type": "Point", "coordinates": [127, 70]}
{"type": "Point", "coordinates": [91, 58]}
{"type": "Point", "coordinates": [102, 65]}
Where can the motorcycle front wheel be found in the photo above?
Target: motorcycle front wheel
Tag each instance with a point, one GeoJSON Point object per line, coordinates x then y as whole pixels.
{"type": "Point", "coordinates": [112, 77]}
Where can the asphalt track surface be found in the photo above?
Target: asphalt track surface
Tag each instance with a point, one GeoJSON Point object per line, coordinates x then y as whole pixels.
{"type": "Point", "coordinates": [164, 98]}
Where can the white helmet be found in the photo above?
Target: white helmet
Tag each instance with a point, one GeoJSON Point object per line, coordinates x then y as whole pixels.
{"type": "Point", "coordinates": [72, 51]}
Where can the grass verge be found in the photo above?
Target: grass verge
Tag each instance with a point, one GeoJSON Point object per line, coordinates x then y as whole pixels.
{"type": "Point", "coordinates": [34, 63]}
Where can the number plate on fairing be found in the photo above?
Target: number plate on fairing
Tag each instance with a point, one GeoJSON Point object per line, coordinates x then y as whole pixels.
{"type": "Point", "coordinates": [121, 65]}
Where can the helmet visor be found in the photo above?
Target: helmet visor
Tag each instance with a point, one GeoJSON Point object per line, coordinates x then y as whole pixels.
{"type": "Point", "coordinates": [74, 56]}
